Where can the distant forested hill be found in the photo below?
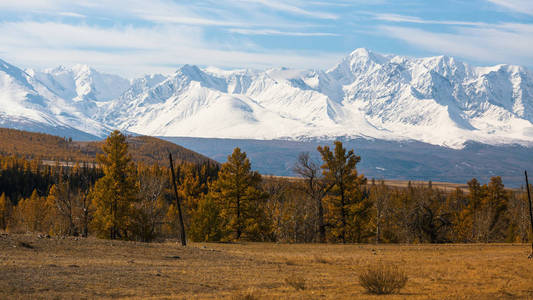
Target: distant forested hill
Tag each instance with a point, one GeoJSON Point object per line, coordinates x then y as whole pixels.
{"type": "Point", "coordinates": [49, 147]}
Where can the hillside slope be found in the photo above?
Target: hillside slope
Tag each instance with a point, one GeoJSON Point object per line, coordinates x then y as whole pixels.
{"type": "Point", "coordinates": [53, 148]}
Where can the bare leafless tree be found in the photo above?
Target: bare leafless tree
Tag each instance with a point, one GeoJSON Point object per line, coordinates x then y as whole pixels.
{"type": "Point", "coordinates": [65, 204]}
{"type": "Point", "coordinates": [315, 187]}
{"type": "Point", "coordinates": [150, 209]}
{"type": "Point", "coordinates": [379, 197]}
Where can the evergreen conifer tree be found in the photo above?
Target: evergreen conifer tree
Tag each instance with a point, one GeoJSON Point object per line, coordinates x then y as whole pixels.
{"type": "Point", "coordinates": [239, 195]}
{"type": "Point", "coordinates": [349, 209]}
{"type": "Point", "coordinates": [115, 193]}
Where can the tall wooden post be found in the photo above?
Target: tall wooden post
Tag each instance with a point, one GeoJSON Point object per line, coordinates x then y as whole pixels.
{"type": "Point", "coordinates": [182, 226]}
{"type": "Point", "coordinates": [530, 212]}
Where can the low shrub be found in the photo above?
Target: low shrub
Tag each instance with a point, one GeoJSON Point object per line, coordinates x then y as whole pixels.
{"type": "Point", "coordinates": [297, 282]}
{"type": "Point", "coordinates": [383, 279]}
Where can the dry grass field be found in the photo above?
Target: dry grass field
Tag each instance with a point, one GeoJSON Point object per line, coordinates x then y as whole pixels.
{"type": "Point", "coordinates": [444, 186]}
{"type": "Point", "coordinates": [51, 268]}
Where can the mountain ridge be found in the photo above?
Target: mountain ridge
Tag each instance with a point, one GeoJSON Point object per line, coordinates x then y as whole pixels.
{"type": "Point", "coordinates": [438, 100]}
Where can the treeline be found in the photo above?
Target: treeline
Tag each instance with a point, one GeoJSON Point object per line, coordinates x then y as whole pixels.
{"type": "Point", "coordinates": [130, 198]}
{"type": "Point", "coordinates": [330, 202]}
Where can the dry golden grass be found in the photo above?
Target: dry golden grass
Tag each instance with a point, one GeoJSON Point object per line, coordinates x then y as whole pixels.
{"type": "Point", "coordinates": [444, 186]}
{"type": "Point", "coordinates": [32, 267]}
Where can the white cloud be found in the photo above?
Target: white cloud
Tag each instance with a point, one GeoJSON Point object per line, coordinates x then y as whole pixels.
{"type": "Point", "coordinates": [503, 43]}
{"type": "Point", "coordinates": [520, 6]}
{"type": "Point", "coordinates": [161, 34]}
{"type": "Point", "coordinates": [196, 13]}
{"type": "Point", "coordinates": [134, 51]}
{"type": "Point", "coordinates": [278, 32]}
{"type": "Point", "coordinates": [71, 14]}
{"type": "Point", "coordinates": [293, 9]}
{"type": "Point", "coordinates": [409, 19]}
{"type": "Point", "coordinates": [30, 4]}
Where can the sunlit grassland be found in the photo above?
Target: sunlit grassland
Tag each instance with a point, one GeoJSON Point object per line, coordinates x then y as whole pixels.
{"type": "Point", "coordinates": [77, 268]}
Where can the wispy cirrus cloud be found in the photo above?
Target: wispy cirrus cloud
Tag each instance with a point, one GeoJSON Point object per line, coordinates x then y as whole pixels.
{"type": "Point", "coordinates": [137, 36]}
{"type": "Point", "coordinates": [519, 6]}
{"type": "Point", "coordinates": [278, 32]}
{"type": "Point", "coordinates": [71, 14]}
{"type": "Point", "coordinates": [502, 43]}
{"type": "Point", "coordinates": [133, 51]}
{"type": "Point", "coordinates": [415, 20]}
{"type": "Point", "coordinates": [293, 9]}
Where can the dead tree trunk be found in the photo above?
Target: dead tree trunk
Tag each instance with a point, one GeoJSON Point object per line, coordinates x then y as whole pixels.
{"type": "Point", "coordinates": [530, 212]}
{"type": "Point", "coordinates": [180, 215]}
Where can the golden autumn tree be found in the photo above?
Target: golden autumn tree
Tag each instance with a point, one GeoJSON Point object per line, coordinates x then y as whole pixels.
{"type": "Point", "coordinates": [190, 190]}
{"type": "Point", "coordinates": [348, 207]}
{"type": "Point", "coordinates": [31, 213]}
{"type": "Point", "coordinates": [461, 216]}
{"type": "Point", "coordinates": [238, 193]}
{"type": "Point", "coordinates": [62, 204]}
{"type": "Point", "coordinates": [114, 195]}
{"type": "Point", "coordinates": [151, 207]}
{"type": "Point", "coordinates": [5, 211]}
{"type": "Point", "coordinates": [206, 223]}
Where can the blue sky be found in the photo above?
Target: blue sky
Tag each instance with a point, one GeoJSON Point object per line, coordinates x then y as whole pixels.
{"type": "Point", "coordinates": [134, 37]}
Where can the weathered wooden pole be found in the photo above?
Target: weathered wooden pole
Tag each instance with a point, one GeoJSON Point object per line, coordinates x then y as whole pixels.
{"type": "Point", "coordinates": [182, 226]}
{"type": "Point", "coordinates": [530, 212]}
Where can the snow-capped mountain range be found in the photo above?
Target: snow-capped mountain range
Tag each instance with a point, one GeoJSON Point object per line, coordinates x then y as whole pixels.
{"type": "Point", "coordinates": [437, 100]}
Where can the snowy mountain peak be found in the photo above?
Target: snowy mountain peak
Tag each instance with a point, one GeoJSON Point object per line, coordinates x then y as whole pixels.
{"type": "Point", "coordinates": [363, 53]}
{"type": "Point", "coordinates": [189, 70]}
{"type": "Point", "coordinates": [82, 83]}
{"type": "Point", "coordinates": [360, 61]}
{"type": "Point", "coordinates": [188, 73]}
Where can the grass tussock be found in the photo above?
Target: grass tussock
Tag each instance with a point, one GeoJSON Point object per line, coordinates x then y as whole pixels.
{"type": "Point", "coordinates": [291, 262]}
{"type": "Point", "coordinates": [383, 279]}
{"type": "Point", "coordinates": [296, 282]}
{"type": "Point", "coordinates": [321, 259]}
{"type": "Point", "coordinates": [248, 295]}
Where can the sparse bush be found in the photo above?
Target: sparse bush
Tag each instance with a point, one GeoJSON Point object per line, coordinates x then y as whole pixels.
{"type": "Point", "coordinates": [383, 279]}
{"type": "Point", "coordinates": [297, 282]}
